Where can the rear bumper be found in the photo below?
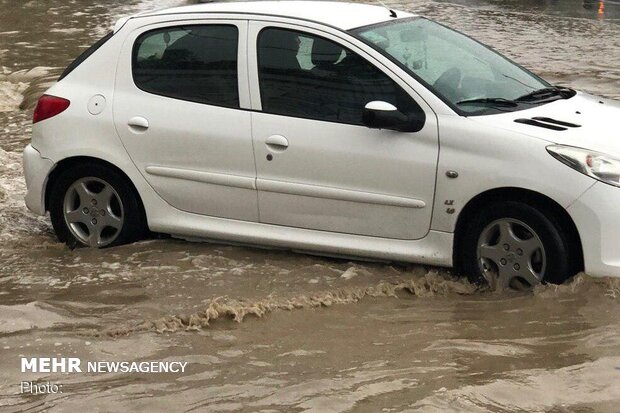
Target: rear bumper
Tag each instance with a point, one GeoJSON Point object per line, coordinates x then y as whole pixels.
{"type": "Point", "coordinates": [597, 217]}
{"type": "Point", "coordinates": [36, 171]}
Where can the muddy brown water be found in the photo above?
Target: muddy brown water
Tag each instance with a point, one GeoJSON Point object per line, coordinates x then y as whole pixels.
{"type": "Point", "coordinates": [274, 331]}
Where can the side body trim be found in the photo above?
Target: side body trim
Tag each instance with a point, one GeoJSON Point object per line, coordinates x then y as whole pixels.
{"type": "Point", "coordinates": [337, 194]}
{"type": "Point", "coordinates": [234, 181]}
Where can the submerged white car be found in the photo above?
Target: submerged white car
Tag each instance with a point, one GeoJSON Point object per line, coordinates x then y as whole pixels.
{"type": "Point", "coordinates": [332, 128]}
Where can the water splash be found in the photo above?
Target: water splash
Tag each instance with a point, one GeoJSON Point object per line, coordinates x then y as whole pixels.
{"type": "Point", "coordinates": [431, 284]}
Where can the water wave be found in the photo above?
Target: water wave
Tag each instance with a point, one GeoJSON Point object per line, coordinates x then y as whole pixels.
{"type": "Point", "coordinates": [431, 284]}
{"type": "Point", "coordinates": [21, 89]}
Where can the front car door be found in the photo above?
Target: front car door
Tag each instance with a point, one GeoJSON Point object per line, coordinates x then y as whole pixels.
{"type": "Point", "coordinates": [318, 167]}
{"type": "Point", "coordinates": [180, 108]}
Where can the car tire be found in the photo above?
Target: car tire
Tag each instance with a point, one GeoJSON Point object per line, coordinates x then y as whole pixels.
{"type": "Point", "coordinates": [95, 206]}
{"type": "Point", "coordinates": [514, 245]}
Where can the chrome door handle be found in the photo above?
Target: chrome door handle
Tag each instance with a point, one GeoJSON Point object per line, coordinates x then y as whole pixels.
{"type": "Point", "coordinates": [276, 143]}
{"type": "Point", "coordinates": [138, 123]}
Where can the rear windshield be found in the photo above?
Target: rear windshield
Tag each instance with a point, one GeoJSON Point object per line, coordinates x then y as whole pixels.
{"type": "Point", "coordinates": [85, 55]}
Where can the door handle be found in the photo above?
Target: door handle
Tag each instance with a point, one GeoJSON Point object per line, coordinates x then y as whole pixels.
{"type": "Point", "coordinates": [138, 124]}
{"type": "Point", "coordinates": [276, 143]}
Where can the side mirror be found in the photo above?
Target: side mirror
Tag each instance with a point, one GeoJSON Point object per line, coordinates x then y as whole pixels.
{"type": "Point", "coordinates": [382, 115]}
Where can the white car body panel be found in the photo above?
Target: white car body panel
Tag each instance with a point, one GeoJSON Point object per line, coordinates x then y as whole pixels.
{"type": "Point", "coordinates": [327, 165]}
{"type": "Point", "coordinates": [198, 153]}
{"type": "Point", "coordinates": [36, 172]}
{"type": "Point", "coordinates": [488, 158]}
{"type": "Point", "coordinates": [487, 152]}
{"type": "Point", "coordinates": [595, 116]}
{"type": "Point", "coordinates": [596, 214]}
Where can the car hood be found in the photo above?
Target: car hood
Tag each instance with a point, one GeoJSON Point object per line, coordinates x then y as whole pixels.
{"type": "Point", "coordinates": [595, 122]}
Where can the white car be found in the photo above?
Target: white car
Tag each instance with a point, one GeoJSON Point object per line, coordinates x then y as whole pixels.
{"type": "Point", "coordinates": [332, 128]}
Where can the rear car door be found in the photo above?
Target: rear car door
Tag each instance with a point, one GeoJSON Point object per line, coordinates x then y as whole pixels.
{"type": "Point", "coordinates": [180, 108]}
{"type": "Point", "coordinates": [318, 166]}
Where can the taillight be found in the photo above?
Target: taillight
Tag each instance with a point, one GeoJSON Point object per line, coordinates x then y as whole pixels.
{"type": "Point", "coordinates": [48, 107]}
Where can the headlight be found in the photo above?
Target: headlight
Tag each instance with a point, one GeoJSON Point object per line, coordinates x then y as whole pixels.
{"type": "Point", "coordinates": [598, 165]}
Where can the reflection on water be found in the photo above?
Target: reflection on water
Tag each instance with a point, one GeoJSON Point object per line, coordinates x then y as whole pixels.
{"type": "Point", "coordinates": [592, 9]}
{"type": "Point", "coordinates": [277, 331]}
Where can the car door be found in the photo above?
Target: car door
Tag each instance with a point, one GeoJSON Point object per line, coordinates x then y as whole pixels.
{"type": "Point", "coordinates": [318, 166]}
{"type": "Point", "coordinates": [180, 108]}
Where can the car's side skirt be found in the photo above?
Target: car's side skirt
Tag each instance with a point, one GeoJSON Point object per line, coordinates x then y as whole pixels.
{"type": "Point", "coordinates": [434, 249]}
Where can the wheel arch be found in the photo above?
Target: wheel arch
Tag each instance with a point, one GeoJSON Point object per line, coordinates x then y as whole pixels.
{"type": "Point", "coordinates": [543, 203]}
{"type": "Point", "coordinates": [72, 162]}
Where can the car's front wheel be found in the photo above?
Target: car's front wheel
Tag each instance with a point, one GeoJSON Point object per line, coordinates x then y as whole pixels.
{"type": "Point", "coordinates": [95, 206]}
{"type": "Point", "coordinates": [514, 245]}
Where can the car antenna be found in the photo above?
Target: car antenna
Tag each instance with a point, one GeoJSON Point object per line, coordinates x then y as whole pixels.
{"type": "Point", "coordinates": [392, 12]}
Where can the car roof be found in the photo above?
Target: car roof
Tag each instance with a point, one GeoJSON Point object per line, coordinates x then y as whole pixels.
{"type": "Point", "coordinates": [341, 15]}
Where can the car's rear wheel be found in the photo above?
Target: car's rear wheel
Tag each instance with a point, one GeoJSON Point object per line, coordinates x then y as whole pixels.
{"type": "Point", "coordinates": [95, 206]}
{"type": "Point", "coordinates": [514, 245]}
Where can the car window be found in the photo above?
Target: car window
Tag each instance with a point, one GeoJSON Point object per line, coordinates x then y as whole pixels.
{"type": "Point", "coordinates": [307, 76]}
{"type": "Point", "coordinates": [196, 63]}
{"type": "Point", "coordinates": [456, 67]}
{"type": "Point", "coordinates": [433, 54]}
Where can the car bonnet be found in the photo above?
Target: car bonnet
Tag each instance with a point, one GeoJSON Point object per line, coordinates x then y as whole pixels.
{"type": "Point", "coordinates": [583, 121]}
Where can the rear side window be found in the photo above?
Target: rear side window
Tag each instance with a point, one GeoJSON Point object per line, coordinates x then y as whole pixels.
{"type": "Point", "coordinates": [85, 55]}
{"type": "Point", "coordinates": [197, 63]}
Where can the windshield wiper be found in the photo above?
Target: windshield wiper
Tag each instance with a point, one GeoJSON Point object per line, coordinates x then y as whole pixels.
{"type": "Point", "coordinates": [489, 101]}
{"type": "Point", "coordinates": [546, 93]}
{"type": "Point", "coordinates": [535, 96]}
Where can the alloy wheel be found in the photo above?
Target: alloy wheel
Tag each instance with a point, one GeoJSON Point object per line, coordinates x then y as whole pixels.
{"type": "Point", "coordinates": [93, 212]}
{"type": "Point", "coordinates": [511, 255]}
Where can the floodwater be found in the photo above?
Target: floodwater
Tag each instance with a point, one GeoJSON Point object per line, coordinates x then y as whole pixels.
{"type": "Point", "coordinates": [274, 331]}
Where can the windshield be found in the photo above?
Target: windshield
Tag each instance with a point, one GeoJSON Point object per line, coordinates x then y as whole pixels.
{"type": "Point", "coordinates": [469, 76]}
